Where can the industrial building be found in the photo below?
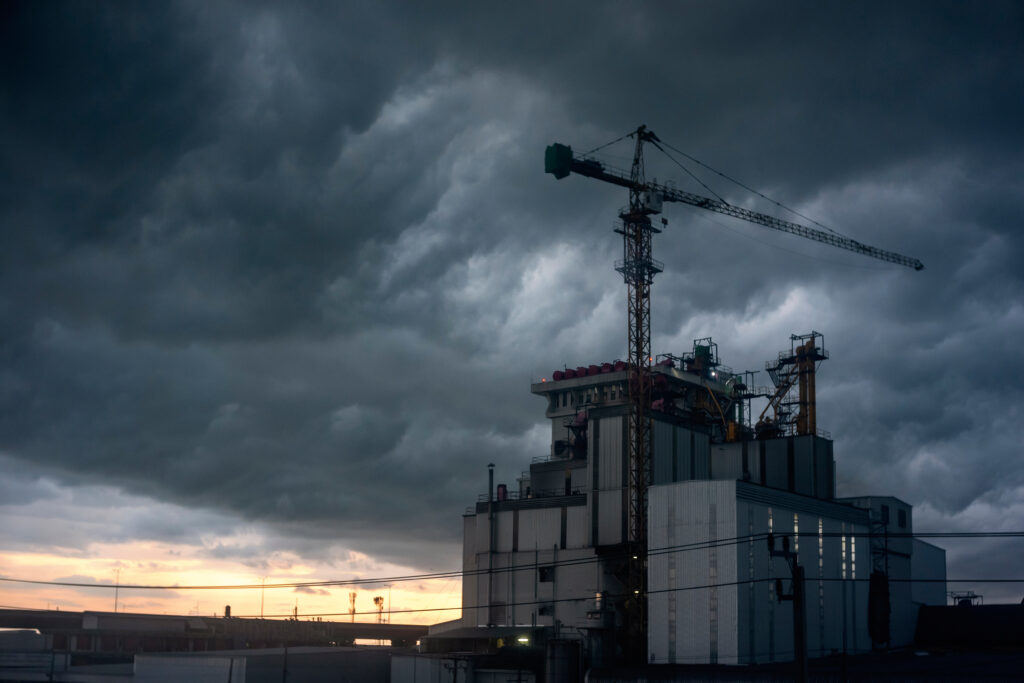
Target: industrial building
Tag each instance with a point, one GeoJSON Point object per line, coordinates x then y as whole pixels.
{"type": "Point", "coordinates": [550, 552]}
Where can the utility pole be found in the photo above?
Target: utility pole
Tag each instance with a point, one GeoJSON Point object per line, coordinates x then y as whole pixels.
{"type": "Point", "coordinates": [799, 602]}
{"type": "Point", "coordinates": [117, 586]}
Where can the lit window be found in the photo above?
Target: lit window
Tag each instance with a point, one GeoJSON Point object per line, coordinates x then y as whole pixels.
{"type": "Point", "coordinates": [853, 557]}
{"type": "Point", "coordinates": [796, 533]}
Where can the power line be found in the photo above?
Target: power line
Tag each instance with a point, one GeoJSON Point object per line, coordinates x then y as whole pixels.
{"type": "Point", "coordinates": [697, 545]}
{"type": "Point", "coordinates": [618, 596]}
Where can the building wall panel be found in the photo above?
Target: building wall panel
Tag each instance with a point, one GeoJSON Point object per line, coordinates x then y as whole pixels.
{"type": "Point", "coordinates": [482, 529]}
{"type": "Point", "coordinates": [503, 531]}
{"type": "Point", "coordinates": [469, 580]}
{"type": "Point", "coordinates": [684, 455]}
{"type": "Point", "coordinates": [540, 529]}
{"type": "Point", "coordinates": [825, 484]}
{"type": "Point", "coordinates": [662, 452]}
{"type": "Point", "coordinates": [577, 527]}
{"type": "Point", "coordinates": [803, 462]}
{"type": "Point", "coordinates": [776, 463]}
{"type": "Point", "coordinates": [928, 562]}
{"type": "Point", "coordinates": [610, 453]}
{"type": "Point", "coordinates": [701, 456]}
{"type": "Point", "coordinates": [753, 460]}
{"type": "Point", "coordinates": [903, 617]}
{"type": "Point", "coordinates": [745, 623]}
{"type": "Point", "coordinates": [684, 514]}
{"type": "Point", "coordinates": [609, 517]}
{"type": "Point", "coordinates": [727, 461]}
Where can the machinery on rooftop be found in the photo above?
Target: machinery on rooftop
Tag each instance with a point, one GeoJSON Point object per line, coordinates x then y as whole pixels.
{"type": "Point", "coordinates": [795, 367]}
{"type": "Point", "coordinates": [638, 268]}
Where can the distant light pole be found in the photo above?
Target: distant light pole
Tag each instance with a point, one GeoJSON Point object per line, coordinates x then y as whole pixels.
{"type": "Point", "coordinates": [263, 586]}
{"type": "Point", "coordinates": [117, 586]}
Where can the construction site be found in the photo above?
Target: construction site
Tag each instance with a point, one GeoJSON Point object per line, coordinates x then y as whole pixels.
{"type": "Point", "coordinates": [686, 513]}
{"type": "Point", "coordinates": [684, 516]}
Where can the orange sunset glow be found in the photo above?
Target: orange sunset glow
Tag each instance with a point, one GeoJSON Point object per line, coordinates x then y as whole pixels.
{"type": "Point", "coordinates": [423, 601]}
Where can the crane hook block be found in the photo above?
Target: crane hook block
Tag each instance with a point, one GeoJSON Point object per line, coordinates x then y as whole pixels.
{"type": "Point", "coordinates": [558, 160]}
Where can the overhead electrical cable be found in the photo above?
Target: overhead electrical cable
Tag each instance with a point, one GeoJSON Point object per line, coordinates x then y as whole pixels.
{"type": "Point", "coordinates": [618, 596]}
{"type": "Point", "coordinates": [699, 545]}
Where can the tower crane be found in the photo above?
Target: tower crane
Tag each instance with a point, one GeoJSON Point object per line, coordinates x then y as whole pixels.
{"type": "Point", "coordinates": [638, 268]}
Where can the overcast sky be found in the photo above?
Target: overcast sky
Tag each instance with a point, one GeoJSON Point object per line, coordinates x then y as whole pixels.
{"type": "Point", "coordinates": [275, 279]}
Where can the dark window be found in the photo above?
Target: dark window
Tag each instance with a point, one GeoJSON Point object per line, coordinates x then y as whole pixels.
{"type": "Point", "coordinates": [885, 514]}
{"type": "Point", "coordinates": [546, 610]}
{"type": "Point", "coordinates": [545, 574]}
{"type": "Point", "coordinates": [902, 517]}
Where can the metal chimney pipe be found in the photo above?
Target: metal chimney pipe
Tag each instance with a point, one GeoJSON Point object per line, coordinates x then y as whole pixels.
{"type": "Point", "coordinates": [490, 544]}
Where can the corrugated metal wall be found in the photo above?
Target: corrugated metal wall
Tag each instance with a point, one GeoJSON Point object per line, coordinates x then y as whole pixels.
{"type": "Point", "coordinates": [503, 531]}
{"type": "Point", "coordinates": [703, 620]}
{"type": "Point", "coordinates": [469, 551]}
{"type": "Point", "coordinates": [825, 469]}
{"type": "Point", "coordinates": [803, 465]}
{"type": "Point", "coordinates": [540, 529]}
{"type": "Point", "coordinates": [577, 527]}
{"type": "Point", "coordinates": [684, 454]}
{"type": "Point", "coordinates": [610, 453]}
{"type": "Point", "coordinates": [776, 463]}
{"type": "Point", "coordinates": [701, 455]}
{"type": "Point", "coordinates": [727, 460]}
{"type": "Point", "coordinates": [753, 460]}
{"type": "Point", "coordinates": [662, 453]}
{"type": "Point", "coordinates": [609, 517]}
{"type": "Point", "coordinates": [744, 623]}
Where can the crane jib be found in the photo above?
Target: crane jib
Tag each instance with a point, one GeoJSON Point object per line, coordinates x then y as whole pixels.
{"type": "Point", "coordinates": [560, 162]}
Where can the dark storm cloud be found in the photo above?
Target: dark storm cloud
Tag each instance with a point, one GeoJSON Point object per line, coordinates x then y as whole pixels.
{"type": "Point", "coordinates": [300, 264]}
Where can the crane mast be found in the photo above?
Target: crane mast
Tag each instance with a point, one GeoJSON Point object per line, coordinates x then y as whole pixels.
{"type": "Point", "coordinates": [638, 268]}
